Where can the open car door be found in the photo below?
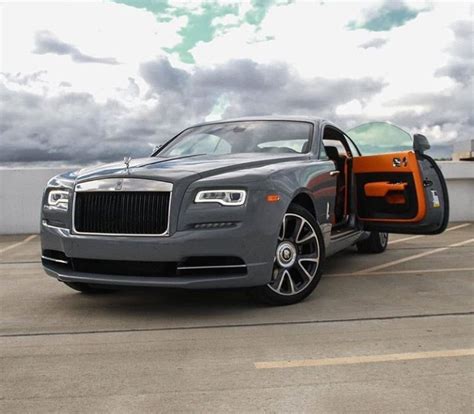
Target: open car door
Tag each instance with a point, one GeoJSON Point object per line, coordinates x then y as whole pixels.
{"type": "Point", "coordinates": [398, 188]}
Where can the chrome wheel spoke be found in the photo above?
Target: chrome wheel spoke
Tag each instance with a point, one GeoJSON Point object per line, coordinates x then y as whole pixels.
{"type": "Point", "coordinates": [311, 235]}
{"type": "Point", "coordinates": [278, 280]}
{"type": "Point", "coordinates": [296, 260]}
{"type": "Point", "coordinates": [303, 271]}
{"type": "Point", "coordinates": [290, 283]}
{"type": "Point", "coordinates": [281, 236]}
{"type": "Point", "coordinates": [298, 229]}
{"type": "Point", "coordinates": [313, 258]}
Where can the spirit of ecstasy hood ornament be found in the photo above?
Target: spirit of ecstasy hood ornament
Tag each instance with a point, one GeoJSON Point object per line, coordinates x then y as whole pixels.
{"type": "Point", "coordinates": [126, 161]}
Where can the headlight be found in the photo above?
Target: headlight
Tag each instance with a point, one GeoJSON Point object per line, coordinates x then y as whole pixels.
{"type": "Point", "coordinates": [223, 197]}
{"type": "Point", "coordinates": [58, 199]}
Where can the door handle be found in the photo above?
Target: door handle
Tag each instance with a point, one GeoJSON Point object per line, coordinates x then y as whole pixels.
{"type": "Point", "coordinates": [333, 173]}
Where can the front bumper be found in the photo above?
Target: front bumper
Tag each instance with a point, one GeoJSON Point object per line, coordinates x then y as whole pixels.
{"type": "Point", "coordinates": [254, 245]}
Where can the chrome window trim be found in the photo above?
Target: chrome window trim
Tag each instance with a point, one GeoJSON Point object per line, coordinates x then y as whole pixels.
{"type": "Point", "coordinates": [127, 185]}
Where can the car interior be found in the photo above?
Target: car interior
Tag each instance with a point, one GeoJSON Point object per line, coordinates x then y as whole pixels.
{"type": "Point", "coordinates": [338, 150]}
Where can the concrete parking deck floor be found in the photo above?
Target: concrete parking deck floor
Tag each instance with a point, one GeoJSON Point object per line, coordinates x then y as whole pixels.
{"type": "Point", "coordinates": [382, 333]}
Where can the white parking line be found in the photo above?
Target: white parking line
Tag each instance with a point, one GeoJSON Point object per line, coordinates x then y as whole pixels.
{"type": "Point", "coordinates": [415, 256]}
{"type": "Point", "coordinates": [12, 246]}
{"type": "Point", "coordinates": [364, 359]}
{"type": "Point", "coordinates": [405, 239]}
{"type": "Point", "coordinates": [402, 272]}
{"type": "Point", "coordinates": [460, 226]}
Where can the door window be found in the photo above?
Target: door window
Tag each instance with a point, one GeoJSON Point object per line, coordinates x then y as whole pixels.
{"type": "Point", "coordinates": [380, 138]}
{"type": "Point", "coordinates": [354, 150]}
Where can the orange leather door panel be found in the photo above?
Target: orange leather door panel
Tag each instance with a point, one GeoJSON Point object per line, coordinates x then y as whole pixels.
{"type": "Point", "coordinates": [397, 163]}
{"type": "Point", "coordinates": [395, 199]}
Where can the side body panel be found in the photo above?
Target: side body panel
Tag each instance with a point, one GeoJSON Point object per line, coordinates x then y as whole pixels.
{"type": "Point", "coordinates": [311, 178]}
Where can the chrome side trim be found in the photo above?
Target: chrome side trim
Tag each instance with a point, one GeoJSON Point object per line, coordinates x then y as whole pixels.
{"type": "Point", "coordinates": [46, 224]}
{"type": "Point", "coordinates": [124, 184]}
{"type": "Point", "coordinates": [210, 267]}
{"type": "Point", "coordinates": [54, 260]}
{"type": "Point", "coordinates": [345, 234]}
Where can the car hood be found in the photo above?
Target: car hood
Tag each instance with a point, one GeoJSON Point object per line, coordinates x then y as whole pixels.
{"type": "Point", "coordinates": [174, 168]}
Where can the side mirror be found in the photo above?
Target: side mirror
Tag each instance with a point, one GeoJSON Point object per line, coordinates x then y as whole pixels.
{"type": "Point", "coordinates": [156, 149]}
{"type": "Point", "coordinates": [420, 143]}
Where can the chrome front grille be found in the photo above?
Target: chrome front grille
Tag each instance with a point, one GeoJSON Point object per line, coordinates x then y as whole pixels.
{"type": "Point", "coordinates": [122, 207]}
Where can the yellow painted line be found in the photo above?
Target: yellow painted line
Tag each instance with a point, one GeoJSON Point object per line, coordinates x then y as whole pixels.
{"type": "Point", "coordinates": [12, 246]}
{"type": "Point", "coordinates": [415, 256]}
{"type": "Point", "coordinates": [402, 272]}
{"type": "Point", "coordinates": [460, 226]}
{"type": "Point", "coordinates": [364, 359]}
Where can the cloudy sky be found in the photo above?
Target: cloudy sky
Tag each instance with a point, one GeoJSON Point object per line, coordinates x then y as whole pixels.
{"type": "Point", "coordinates": [82, 81]}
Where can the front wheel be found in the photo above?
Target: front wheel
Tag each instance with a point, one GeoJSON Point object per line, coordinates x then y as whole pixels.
{"type": "Point", "coordinates": [298, 260]}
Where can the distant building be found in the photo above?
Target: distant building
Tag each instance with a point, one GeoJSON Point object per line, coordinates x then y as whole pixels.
{"type": "Point", "coordinates": [463, 150]}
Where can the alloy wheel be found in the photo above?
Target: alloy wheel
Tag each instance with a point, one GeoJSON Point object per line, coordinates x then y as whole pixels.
{"type": "Point", "coordinates": [383, 238]}
{"type": "Point", "coordinates": [297, 256]}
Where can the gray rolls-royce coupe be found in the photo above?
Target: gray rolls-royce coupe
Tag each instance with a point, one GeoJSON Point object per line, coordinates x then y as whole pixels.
{"type": "Point", "coordinates": [252, 202]}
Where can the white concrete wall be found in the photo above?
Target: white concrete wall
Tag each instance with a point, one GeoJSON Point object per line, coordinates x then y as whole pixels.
{"type": "Point", "coordinates": [21, 190]}
{"type": "Point", "coordinates": [460, 179]}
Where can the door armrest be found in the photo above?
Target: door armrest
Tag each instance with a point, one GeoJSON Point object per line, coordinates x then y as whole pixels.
{"type": "Point", "coordinates": [382, 188]}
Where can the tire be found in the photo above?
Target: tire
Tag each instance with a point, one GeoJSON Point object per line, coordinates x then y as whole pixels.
{"type": "Point", "coordinates": [298, 262]}
{"type": "Point", "coordinates": [87, 289]}
{"type": "Point", "coordinates": [376, 243]}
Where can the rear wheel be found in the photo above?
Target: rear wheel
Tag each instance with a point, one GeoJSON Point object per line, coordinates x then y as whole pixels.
{"type": "Point", "coordinates": [298, 260]}
{"type": "Point", "coordinates": [88, 289]}
{"type": "Point", "coordinates": [377, 242]}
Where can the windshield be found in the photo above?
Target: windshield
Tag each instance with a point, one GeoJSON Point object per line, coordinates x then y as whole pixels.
{"type": "Point", "coordinates": [242, 137]}
{"type": "Point", "coordinates": [380, 138]}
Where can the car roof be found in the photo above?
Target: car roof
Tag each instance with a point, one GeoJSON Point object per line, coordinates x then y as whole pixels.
{"type": "Point", "coordinates": [310, 119]}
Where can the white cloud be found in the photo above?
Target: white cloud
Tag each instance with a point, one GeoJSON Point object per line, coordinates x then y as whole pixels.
{"type": "Point", "coordinates": [129, 34]}
{"type": "Point", "coordinates": [353, 107]}
{"type": "Point", "coordinates": [314, 37]}
{"type": "Point", "coordinates": [302, 58]}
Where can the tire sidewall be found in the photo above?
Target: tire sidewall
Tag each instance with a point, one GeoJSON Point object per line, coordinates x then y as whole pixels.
{"type": "Point", "coordinates": [373, 244]}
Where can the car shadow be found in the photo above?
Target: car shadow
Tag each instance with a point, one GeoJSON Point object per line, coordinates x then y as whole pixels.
{"type": "Point", "coordinates": [151, 303]}
{"type": "Point", "coordinates": [183, 305]}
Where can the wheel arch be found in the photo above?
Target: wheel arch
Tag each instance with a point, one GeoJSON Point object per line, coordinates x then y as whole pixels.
{"type": "Point", "coordinates": [305, 200]}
